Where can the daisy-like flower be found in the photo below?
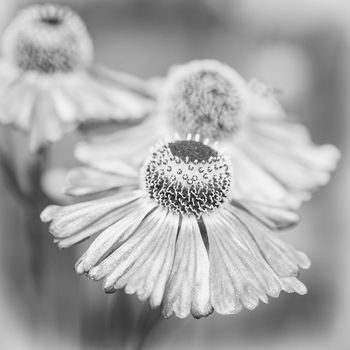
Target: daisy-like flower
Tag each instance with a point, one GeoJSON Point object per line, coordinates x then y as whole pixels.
{"type": "Point", "coordinates": [49, 83]}
{"type": "Point", "coordinates": [275, 160]}
{"type": "Point", "coordinates": [175, 233]}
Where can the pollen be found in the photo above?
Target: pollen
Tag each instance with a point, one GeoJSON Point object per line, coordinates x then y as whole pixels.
{"type": "Point", "coordinates": [187, 176]}
{"type": "Point", "coordinates": [206, 98]}
{"type": "Point", "coordinates": [47, 39]}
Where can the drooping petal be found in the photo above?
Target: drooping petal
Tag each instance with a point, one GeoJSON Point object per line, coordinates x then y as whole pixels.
{"type": "Point", "coordinates": [46, 125]}
{"type": "Point", "coordinates": [85, 180]}
{"type": "Point", "coordinates": [131, 145]}
{"type": "Point", "coordinates": [270, 214]}
{"type": "Point", "coordinates": [113, 236]}
{"type": "Point", "coordinates": [71, 219]}
{"type": "Point", "coordinates": [187, 290]}
{"type": "Point", "coordinates": [121, 260]}
{"type": "Point", "coordinates": [239, 276]}
{"type": "Point", "coordinates": [285, 151]}
{"type": "Point", "coordinates": [19, 114]}
{"type": "Point", "coordinates": [148, 275]}
{"type": "Point", "coordinates": [251, 181]}
{"type": "Point", "coordinates": [284, 259]}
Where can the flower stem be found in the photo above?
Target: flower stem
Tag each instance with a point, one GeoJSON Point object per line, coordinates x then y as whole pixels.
{"type": "Point", "coordinates": [38, 200]}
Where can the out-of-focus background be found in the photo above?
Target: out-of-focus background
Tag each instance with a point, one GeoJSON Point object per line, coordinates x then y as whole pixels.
{"type": "Point", "coordinates": [302, 49]}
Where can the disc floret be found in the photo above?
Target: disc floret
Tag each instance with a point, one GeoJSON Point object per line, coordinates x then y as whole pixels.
{"type": "Point", "coordinates": [187, 176]}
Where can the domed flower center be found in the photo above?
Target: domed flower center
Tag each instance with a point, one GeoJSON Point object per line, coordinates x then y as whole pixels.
{"type": "Point", "coordinates": [206, 98]}
{"type": "Point", "coordinates": [47, 39]}
{"type": "Point", "coordinates": [187, 177]}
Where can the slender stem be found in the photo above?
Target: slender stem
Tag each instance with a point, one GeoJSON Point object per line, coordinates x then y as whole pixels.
{"type": "Point", "coordinates": [10, 178]}
{"type": "Point", "coordinates": [31, 201]}
{"type": "Point", "coordinates": [37, 200]}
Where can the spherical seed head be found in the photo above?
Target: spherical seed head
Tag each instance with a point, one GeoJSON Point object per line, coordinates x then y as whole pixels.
{"type": "Point", "coordinates": [204, 97]}
{"type": "Point", "coordinates": [47, 39]}
{"type": "Point", "coordinates": [187, 177]}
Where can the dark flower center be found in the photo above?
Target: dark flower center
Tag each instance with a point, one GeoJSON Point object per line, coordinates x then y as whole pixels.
{"type": "Point", "coordinates": [52, 21]}
{"type": "Point", "coordinates": [187, 177]}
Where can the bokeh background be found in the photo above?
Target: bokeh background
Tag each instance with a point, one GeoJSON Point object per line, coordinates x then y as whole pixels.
{"type": "Point", "coordinates": [299, 47]}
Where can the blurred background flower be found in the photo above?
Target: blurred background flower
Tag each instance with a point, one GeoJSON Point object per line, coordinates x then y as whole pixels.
{"type": "Point", "coordinates": [49, 82]}
{"type": "Point", "coordinates": [302, 49]}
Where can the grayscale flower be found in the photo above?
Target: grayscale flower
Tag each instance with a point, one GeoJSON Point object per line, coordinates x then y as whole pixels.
{"type": "Point", "coordinates": [175, 233]}
{"type": "Point", "coordinates": [49, 82]}
{"type": "Point", "coordinates": [274, 158]}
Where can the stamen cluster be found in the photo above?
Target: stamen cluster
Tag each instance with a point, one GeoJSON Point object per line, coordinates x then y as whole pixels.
{"type": "Point", "coordinates": [48, 39]}
{"type": "Point", "coordinates": [187, 176]}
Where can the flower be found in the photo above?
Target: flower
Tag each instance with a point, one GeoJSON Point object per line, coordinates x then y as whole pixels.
{"type": "Point", "coordinates": [49, 83]}
{"type": "Point", "coordinates": [175, 233]}
{"type": "Point", "coordinates": [274, 159]}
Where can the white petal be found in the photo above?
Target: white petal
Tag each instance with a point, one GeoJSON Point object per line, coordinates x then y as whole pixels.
{"type": "Point", "coordinates": [116, 264]}
{"type": "Point", "coordinates": [71, 219]}
{"type": "Point", "coordinates": [271, 215]}
{"type": "Point", "coordinates": [97, 226]}
{"type": "Point", "coordinates": [239, 275]}
{"type": "Point", "coordinates": [84, 180]}
{"type": "Point", "coordinates": [148, 275]}
{"type": "Point", "coordinates": [251, 181]}
{"type": "Point", "coordinates": [286, 151]}
{"type": "Point", "coordinates": [281, 256]}
{"type": "Point", "coordinates": [293, 285]}
{"type": "Point", "coordinates": [131, 145]}
{"type": "Point", "coordinates": [114, 235]}
{"type": "Point", "coordinates": [188, 287]}
{"type": "Point", "coordinates": [65, 108]}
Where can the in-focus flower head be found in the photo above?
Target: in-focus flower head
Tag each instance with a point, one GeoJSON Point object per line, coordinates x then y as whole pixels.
{"type": "Point", "coordinates": [187, 176]}
{"type": "Point", "coordinates": [175, 234]}
{"type": "Point", "coordinates": [49, 84]}
{"type": "Point", "coordinates": [274, 159]}
{"type": "Point", "coordinates": [204, 97]}
{"type": "Point", "coordinates": [48, 39]}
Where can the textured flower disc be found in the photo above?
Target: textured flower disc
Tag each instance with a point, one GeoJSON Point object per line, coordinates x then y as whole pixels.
{"type": "Point", "coordinates": [187, 176]}
{"type": "Point", "coordinates": [47, 39]}
{"type": "Point", "coordinates": [205, 97]}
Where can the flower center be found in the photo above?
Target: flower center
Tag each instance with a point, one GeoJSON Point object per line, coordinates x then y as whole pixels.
{"type": "Point", "coordinates": [47, 39]}
{"type": "Point", "coordinates": [187, 177]}
{"type": "Point", "coordinates": [206, 98]}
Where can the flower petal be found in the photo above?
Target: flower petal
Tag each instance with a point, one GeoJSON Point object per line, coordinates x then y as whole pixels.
{"type": "Point", "coordinates": [85, 180]}
{"type": "Point", "coordinates": [131, 145]}
{"type": "Point", "coordinates": [114, 235]}
{"type": "Point", "coordinates": [281, 256]}
{"type": "Point", "coordinates": [239, 275]}
{"type": "Point", "coordinates": [188, 287]}
{"type": "Point", "coordinates": [285, 150]}
{"type": "Point", "coordinates": [119, 262]}
{"type": "Point", "coordinates": [272, 216]}
{"type": "Point", "coordinates": [254, 182]}
{"type": "Point", "coordinates": [148, 275]}
{"type": "Point", "coordinates": [71, 219]}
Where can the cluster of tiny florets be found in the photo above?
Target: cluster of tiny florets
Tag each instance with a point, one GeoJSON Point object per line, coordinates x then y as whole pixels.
{"type": "Point", "coordinates": [206, 99]}
{"type": "Point", "coordinates": [187, 177]}
{"type": "Point", "coordinates": [48, 39]}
